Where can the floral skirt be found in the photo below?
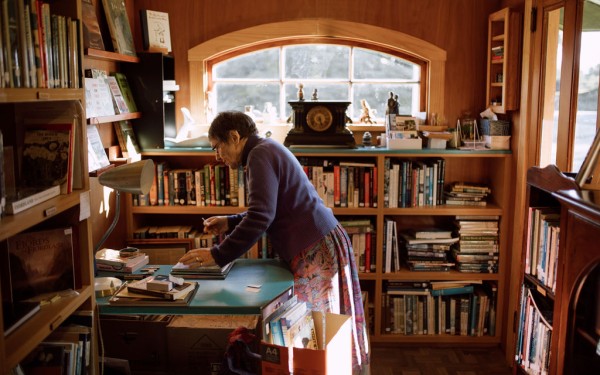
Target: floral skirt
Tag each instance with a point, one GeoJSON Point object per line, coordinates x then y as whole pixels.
{"type": "Point", "coordinates": [326, 277]}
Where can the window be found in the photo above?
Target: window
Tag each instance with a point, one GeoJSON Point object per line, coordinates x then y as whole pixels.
{"type": "Point", "coordinates": [201, 58]}
{"type": "Point", "coordinates": [271, 77]}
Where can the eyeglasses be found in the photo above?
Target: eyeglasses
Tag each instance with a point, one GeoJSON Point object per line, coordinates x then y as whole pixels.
{"type": "Point", "coordinates": [217, 146]}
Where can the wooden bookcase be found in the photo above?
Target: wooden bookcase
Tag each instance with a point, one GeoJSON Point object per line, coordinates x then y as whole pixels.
{"type": "Point", "coordinates": [489, 167]}
{"type": "Point", "coordinates": [63, 210]}
{"type": "Point", "coordinates": [569, 303]}
{"type": "Point", "coordinates": [503, 68]}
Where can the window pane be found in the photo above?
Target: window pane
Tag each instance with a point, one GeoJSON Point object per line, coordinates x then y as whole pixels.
{"type": "Point", "coordinates": [234, 96]}
{"type": "Point", "coordinates": [316, 61]}
{"type": "Point", "coordinates": [551, 89]}
{"type": "Point", "coordinates": [377, 96]}
{"type": "Point", "coordinates": [369, 64]}
{"type": "Point", "coordinates": [589, 73]}
{"type": "Point", "coordinates": [261, 64]}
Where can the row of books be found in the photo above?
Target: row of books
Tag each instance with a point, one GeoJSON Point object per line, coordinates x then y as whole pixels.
{"type": "Point", "coordinates": [39, 49]}
{"type": "Point", "coordinates": [413, 183]}
{"type": "Point", "coordinates": [363, 237]}
{"type": "Point", "coordinates": [535, 336]}
{"type": "Point", "coordinates": [343, 183]}
{"type": "Point", "coordinates": [67, 350]}
{"type": "Point", "coordinates": [211, 185]}
{"type": "Point", "coordinates": [466, 308]}
{"type": "Point", "coordinates": [542, 240]}
{"type": "Point", "coordinates": [497, 52]}
{"type": "Point", "coordinates": [291, 325]}
{"type": "Point", "coordinates": [472, 247]}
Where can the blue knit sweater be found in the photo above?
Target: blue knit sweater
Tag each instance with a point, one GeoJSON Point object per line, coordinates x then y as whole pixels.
{"type": "Point", "coordinates": [281, 201]}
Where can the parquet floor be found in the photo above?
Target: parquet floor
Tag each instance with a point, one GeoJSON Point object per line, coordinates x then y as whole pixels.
{"type": "Point", "coordinates": [431, 360]}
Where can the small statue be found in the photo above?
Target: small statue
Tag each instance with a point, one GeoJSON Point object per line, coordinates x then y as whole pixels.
{"type": "Point", "coordinates": [392, 105]}
{"type": "Point", "coordinates": [300, 92]}
{"type": "Point", "coordinates": [366, 111]}
{"type": "Point", "coordinates": [315, 95]}
{"type": "Point", "coordinates": [367, 139]}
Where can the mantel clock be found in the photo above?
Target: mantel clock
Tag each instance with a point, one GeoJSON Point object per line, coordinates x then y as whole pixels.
{"type": "Point", "coordinates": [319, 123]}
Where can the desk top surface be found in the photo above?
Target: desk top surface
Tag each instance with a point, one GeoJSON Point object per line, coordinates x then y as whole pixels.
{"type": "Point", "coordinates": [229, 296]}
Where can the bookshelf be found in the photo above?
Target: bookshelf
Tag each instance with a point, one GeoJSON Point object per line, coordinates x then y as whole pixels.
{"type": "Point", "coordinates": [488, 167]}
{"type": "Point", "coordinates": [503, 60]}
{"type": "Point", "coordinates": [17, 104]}
{"type": "Point", "coordinates": [566, 337]}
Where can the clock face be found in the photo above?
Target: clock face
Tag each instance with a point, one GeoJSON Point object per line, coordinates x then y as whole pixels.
{"type": "Point", "coordinates": [319, 118]}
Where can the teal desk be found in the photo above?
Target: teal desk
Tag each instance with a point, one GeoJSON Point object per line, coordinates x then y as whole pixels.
{"type": "Point", "coordinates": [228, 296]}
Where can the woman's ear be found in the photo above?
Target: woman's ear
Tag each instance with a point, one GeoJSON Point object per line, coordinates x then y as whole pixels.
{"type": "Point", "coordinates": [234, 136]}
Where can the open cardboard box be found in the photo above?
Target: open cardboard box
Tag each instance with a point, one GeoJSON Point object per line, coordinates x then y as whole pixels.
{"type": "Point", "coordinates": [334, 356]}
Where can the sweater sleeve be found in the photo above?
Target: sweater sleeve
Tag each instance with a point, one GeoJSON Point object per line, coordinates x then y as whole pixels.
{"type": "Point", "coordinates": [263, 183]}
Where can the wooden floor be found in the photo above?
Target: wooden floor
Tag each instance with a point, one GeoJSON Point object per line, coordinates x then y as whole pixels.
{"type": "Point", "coordinates": [420, 360]}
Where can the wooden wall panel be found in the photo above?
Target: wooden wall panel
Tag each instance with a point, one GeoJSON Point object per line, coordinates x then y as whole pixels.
{"type": "Point", "coordinates": [457, 26]}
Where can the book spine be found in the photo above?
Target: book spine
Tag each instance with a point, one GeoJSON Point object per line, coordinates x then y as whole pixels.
{"type": "Point", "coordinates": [452, 291]}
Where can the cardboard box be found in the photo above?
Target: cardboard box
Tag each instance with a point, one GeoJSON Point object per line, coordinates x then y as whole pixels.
{"type": "Point", "coordinates": [197, 343]}
{"type": "Point", "coordinates": [405, 144]}
{"type": "Point", "coordinates": [139, 340]}
{"type": "Point", "coordinates": [334, 356]}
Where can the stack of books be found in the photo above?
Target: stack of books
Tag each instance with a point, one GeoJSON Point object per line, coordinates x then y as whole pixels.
{"type": "Point", "coordinates": [205, 272]}
{"type": "Point", "coordinates": [159, 290]}
{"type": "Point", "coordinates": [111, 260]}
{"type": "Point", "coordinates": [478, 248]}
{"type": "Point", "coordinates": [427, 249]}
{"type": "Point", "coordinates": [467, 194]}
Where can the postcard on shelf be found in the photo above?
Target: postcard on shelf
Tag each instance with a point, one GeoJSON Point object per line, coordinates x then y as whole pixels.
{"type": "Point", "coordinates": [98, 99]}
{"type": "Point", "coordinates": [156, 35]}
{"type": "Point", "coordinates": [125, 91]}
{"type": "Point", "coordinates": [97, 157]}
{"type": "Point", "coordinates": [118, 25]}
{"type": "Point", "coordinates": [92, 36]}
{"type": "Point", "coordinates": [118, 99]}
{"type": "Point", "coordinates": [39, 262]}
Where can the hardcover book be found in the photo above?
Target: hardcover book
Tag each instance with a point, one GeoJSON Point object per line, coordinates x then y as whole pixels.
{"type": "Point", "coordinates": [127, 139]}
{"type": "Point", "coordinates": [118, 25]}
{"type": "Point", "coordinates": [156, 34]}
{"type": "Point", "coordinates": [47, 156]}
{"type": "Point", "coordinates": [178, 291]}
{"type": "Point", "coordinates": [92, 36]}
{"type": "Point", "coordinates": [40, 262]}
{"type": "Point", "coordinates": [118, 99]}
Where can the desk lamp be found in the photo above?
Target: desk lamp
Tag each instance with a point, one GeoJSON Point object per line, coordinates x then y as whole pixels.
{"type": "Point", "coordinates": [134, 178]}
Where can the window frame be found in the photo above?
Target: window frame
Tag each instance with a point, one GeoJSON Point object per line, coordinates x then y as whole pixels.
{"type": "Point", "coordinates": [371, 36]}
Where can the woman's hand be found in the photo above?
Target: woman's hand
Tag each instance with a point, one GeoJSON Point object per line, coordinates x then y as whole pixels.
{"type": "Point", "coordinates": [198, 258]}
{"type": "Point", "coordinates": [216, 225]}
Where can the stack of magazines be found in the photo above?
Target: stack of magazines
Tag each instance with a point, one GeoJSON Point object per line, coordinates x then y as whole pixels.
{"type": "Point", "coordinates": [204, 272]}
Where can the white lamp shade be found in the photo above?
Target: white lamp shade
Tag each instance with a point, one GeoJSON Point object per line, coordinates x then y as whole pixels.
{"type": "Point", "coordinates": [134, 178]}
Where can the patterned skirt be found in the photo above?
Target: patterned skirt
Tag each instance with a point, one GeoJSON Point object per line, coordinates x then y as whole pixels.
{"type": "Point", "coordinates": [326, 277]}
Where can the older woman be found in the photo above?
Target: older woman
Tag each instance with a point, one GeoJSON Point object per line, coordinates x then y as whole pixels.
{"type": "Point", "coordinates": [283, 203]}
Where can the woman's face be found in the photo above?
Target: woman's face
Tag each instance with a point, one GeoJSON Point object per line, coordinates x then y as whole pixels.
{"type": "Point", "coordinates": [229, 151]}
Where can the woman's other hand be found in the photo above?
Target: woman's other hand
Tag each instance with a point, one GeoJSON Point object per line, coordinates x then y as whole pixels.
{"type": "Point", "coordinates": [216, 225]}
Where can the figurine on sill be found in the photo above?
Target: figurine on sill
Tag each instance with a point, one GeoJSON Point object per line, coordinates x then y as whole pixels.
{"type": "Point", "coordinates": [366, 112]}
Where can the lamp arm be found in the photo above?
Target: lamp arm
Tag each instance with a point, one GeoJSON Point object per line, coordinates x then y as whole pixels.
{"type": "Point", "coordinates": [113, 224]}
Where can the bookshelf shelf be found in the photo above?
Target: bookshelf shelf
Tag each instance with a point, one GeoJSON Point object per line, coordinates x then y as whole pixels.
{"type": "Point", "coordinates": [22, 95]}
{"type": "Point", "coordinates": [110, 56]}
{"type": "Point", "coordinates": [491, 167]}
{"type": "Point", "coordinates": [115, 118]}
